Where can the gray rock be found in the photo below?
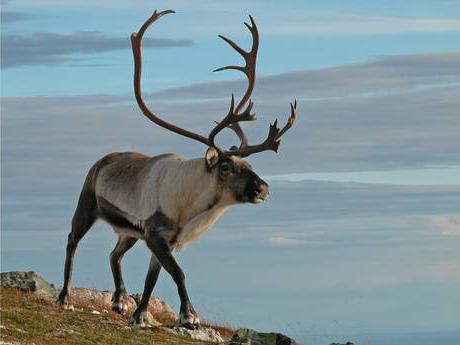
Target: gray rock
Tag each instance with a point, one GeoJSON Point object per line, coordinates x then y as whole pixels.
{"type": "Point", "coordinates": [202, 333]}
{"type": "Point", "coordinates": [27, 281]}
{"type": "Point", "coordinates": [63, 333]}
{"type": "Point", "coordinates": [347, 343]}
{"type": "Point", "coordinates": [156, 306]}
{"type": "Point", "coordinates": [95, 298]}
{"type": "Point", "coordinates": [147, 320]}
{"type": "Point", "coordinates": [246, 336]}
{"type": "Point", "coordinates": [103, 299]}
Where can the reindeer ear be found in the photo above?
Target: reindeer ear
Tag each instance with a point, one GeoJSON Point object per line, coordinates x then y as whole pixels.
{"type": "Point", "coordinates": [212, 157]}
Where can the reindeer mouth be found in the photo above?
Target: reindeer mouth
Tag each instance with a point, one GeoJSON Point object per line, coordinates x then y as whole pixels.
{"type": "Point", "coordinates": [257, 191]}
{"type": "Point", "coordinates": [259, 200]}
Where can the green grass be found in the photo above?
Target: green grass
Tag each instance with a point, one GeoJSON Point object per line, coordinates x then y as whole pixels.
{"type": "Point", "coordinates": [25, 318]}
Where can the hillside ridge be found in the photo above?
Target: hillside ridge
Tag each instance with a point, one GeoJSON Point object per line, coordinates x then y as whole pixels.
{"type": "Point", "coordinates": [29, 315]}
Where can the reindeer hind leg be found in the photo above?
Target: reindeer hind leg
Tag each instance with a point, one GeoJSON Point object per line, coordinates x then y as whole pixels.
{"type": "Point", "coordinates": [119, 297]}
{"type": "Point", "coordinates": [84, 217]}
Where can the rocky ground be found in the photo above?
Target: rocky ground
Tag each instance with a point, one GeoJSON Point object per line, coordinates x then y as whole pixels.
{"type": "Point", "coordinates": [29, 315]}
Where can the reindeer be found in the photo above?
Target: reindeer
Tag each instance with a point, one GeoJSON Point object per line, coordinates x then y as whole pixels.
{"type": "Point", "coordinates": [167, 200]}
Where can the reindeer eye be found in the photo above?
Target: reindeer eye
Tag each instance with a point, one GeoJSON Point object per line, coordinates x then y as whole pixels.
{"type": "Point", "coordinates": [225, 168]}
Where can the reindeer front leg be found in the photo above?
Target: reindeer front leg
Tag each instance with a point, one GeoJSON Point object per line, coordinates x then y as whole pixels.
{"type": "Point", "coordinates": [162, 251]}
{"type": "Point", "coordinates": [139, 315]}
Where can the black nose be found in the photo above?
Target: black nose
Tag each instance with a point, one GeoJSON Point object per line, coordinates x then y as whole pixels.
{"type": "Point", "coordinates": [261, 189]}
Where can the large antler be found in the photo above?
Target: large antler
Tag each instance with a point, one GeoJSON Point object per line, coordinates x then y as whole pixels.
{"type": "Point", "coordinates": [235, 115]}
{"type": "Point", "coordinates": [136, 43]}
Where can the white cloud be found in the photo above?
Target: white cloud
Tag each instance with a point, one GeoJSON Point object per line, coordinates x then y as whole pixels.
{"type": "Point", "coordinates": [331, 24]}
{"type": "Point", "coordinates": [445, 271]}
{"type": "Point", "coordinates": [288, 241]}
{"type": "Point", "coordinates": [274, 18]}
{"type": "Point", "coordinates": [447, 224]}
{"type": "Point", "coordinates": [380, 76]}
{"type": "Point", "coordinates": [38, 240]}
{"type": "Point", "coordinates": [409, 127]}
{"type": "Point", "coordinates": [45, 48]}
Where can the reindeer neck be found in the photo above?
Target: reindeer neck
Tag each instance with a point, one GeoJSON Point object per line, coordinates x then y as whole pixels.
{"type": "Point", "coordinates": [195, 188]}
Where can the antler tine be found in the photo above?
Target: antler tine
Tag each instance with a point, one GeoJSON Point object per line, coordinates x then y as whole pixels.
{"type": "Point", "coordinates": [272, 141]}
{"type": "Point", "coordinates": [238, 68]}
{"type": "Point", "coordinates": [239, 132]}
{"type": "Point", "coordinates": [152, 19]}
{"type": "Point", "coordinates": [290, 120]}
{"type": "Point", "coordinates": [232, 121]}
{"type": "Point", "coordinates": [234, 45]}
{"type": "Point", "coordinates": [136, 43]}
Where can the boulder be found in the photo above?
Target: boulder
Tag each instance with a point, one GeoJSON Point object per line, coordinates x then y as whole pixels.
{"type": "Point", "coordinates": [146, 320]}
{"type": "Point", "coordinates": [156, 306]}
{"type": "Point", "coordinates": [246, 336]}
{"type": "Point", "coordinates": [27, 281]}
{"type": "Point", "coordinates": [203, 333]}
{"type": "Point", "coordinates": [103, 300]}
{"type": "Point", "coordinates": [64, 333]}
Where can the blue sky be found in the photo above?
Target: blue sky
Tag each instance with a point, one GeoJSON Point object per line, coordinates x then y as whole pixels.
{"type": "Point", "coordinates": [364, 213]}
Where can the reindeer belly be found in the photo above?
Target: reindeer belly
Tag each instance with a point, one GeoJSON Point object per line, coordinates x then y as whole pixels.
{"type": "Point", "coordinates": [127, 225]}
{"type": "Point", "coordinates": [121, 221]}
{"type": "Point", "coordinates": [129, 232]}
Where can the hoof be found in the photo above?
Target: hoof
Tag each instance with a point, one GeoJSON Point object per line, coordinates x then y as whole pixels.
{"type": "Point", "coordinates": [189, 326]}
{"type": "Point", "coordinates": [143, 319]}
{"type": "Point", "coordinates": [64, 302]}
{"type": "Point", "coordinates": [120, 307]}
{"type": "Point", "coordinates": [68, 307]}
{"type": "Point", "coordinates": [189, 321]}
{"type": "Point", "coordinates": [136, 321]}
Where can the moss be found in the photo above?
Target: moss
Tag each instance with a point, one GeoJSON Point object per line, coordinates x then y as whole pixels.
{"type": "Point", "coordinates": [26, 318]}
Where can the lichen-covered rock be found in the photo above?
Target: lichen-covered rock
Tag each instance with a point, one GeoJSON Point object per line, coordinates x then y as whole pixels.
{"type": "Point", "coordinates": [203, 333]}
{"type": "Point", "coordinates": [156, 306]}
{"type": "Point", "coordinates": [96, 298]}
{"type": "Point", "coordinates": [246, 336]}
{"type": "Point", "coordinates": [100, 300]}
{"type": "Point", "coordinates": [63, 333]}
{"type": "Point", "coordinates": [27, 281]}
{"type": "Point", "coordinates": [146, 319]}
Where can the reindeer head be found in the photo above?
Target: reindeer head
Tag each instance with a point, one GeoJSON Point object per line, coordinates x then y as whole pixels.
{"type": "Point", "coordinates": [228, 166]}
